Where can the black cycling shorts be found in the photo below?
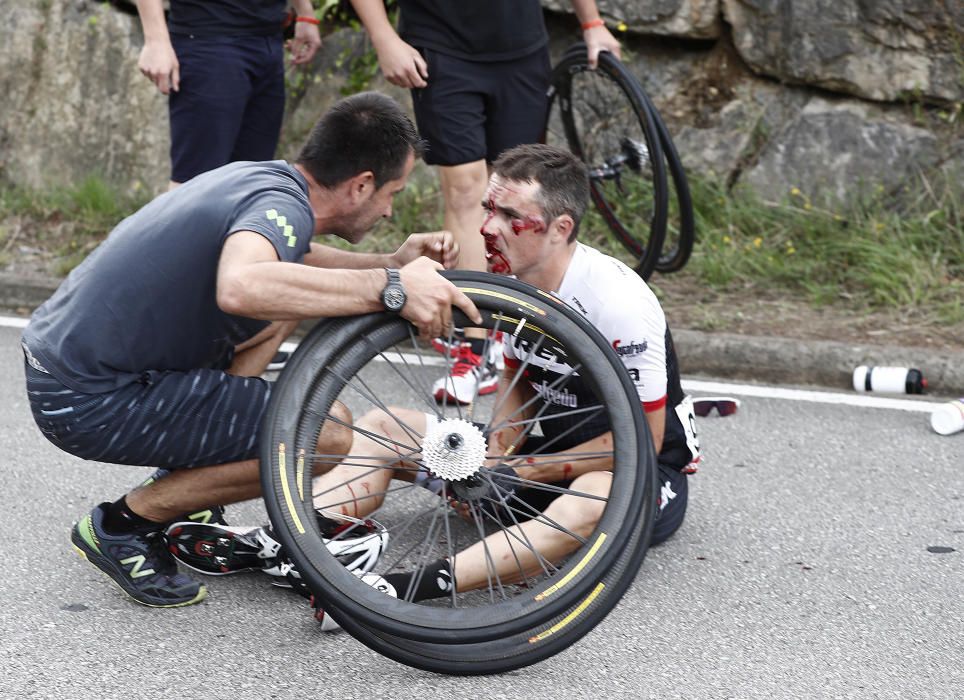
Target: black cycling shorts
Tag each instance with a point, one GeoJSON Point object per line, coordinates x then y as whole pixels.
{"type": "Point", "coordinates": [172, 420]}
{"type": "Point", "coordinates": [474, 110]}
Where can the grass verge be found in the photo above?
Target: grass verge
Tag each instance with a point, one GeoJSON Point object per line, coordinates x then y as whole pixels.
{"type": "Point", "coordinates": [893, 250]}
{"type": "Point", "coordinates": [65, 224]}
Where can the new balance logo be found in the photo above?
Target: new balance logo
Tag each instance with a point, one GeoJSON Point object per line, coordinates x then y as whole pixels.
{"type": "Point", "coordinates": [136, 570]}
{"type": "Point", "coordinates": [281, 222]}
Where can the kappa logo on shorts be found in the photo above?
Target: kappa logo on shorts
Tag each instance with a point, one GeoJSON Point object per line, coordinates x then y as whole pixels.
{"type": "Point", "coordinates": [282, 222]}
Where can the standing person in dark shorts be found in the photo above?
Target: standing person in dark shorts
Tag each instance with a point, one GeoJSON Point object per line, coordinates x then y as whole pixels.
{"type": "Point", "coordinates": [221, 63]}
{"type": "Point", "coordinates": [150, 352]}
{"type": "Point", "coordinates": [479, 72]}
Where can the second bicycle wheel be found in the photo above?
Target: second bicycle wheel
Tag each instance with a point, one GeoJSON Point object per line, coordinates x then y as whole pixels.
{"type": "Point", "coordinates": [524, 648]}
{"type": "Point", "coordinates": [602, 116]}
{"type": "Point", "coordinates": [377, 367]}
{"type": "Point", "coordinates": [680, 222]}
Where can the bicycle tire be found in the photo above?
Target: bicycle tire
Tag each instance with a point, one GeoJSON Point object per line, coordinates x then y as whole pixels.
{"type": "Point", "coordinates": [677, 248]}
{"type": "Point", "coordinates": [524, 649]}
{"type": "Point", "coordinates": [299, 406]}
{"type": "Point", "coordinates": [625, 135]}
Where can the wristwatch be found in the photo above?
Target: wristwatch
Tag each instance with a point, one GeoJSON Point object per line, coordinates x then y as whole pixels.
{"type": "Point", "coordinates": [393, 295]}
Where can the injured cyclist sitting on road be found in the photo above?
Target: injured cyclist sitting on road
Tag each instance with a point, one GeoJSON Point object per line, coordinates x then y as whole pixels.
{"type": "Point", "coordinates": [535, 200]}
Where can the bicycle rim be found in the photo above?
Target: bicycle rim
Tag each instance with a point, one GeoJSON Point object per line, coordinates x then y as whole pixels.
{"type": "Point", "coordinates": [347, 360]}
{"type": "Point", "coordinates": [524, 649]}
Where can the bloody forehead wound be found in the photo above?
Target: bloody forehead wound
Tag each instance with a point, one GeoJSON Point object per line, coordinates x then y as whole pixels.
{"type": "Point", "coordinates": [519, 222]}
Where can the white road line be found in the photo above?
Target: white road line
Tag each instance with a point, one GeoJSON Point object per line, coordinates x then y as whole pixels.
{"type": "Point", "coordinates": [13, 321]}
{"type": "Point", "coordinates": [775, 392]}
{"type": "Point", "coordinates": [689, 385]}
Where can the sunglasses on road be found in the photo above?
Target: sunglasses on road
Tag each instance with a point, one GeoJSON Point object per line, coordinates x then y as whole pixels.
{"type": "Point", "coordinates": [724, 405]}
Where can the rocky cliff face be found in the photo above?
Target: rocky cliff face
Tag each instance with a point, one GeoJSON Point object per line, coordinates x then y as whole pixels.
{"type": "Point", "coordinates": [74, 102]}
{"type": "Point", "coordinates": [824, 95]}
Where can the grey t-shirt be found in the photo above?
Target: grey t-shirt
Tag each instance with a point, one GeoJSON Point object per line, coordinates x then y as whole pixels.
{"type": "Point", "coordinates": [145, 299]}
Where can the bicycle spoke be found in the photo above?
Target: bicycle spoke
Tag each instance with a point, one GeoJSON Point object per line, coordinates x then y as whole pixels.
{"type": "Point", "coordinates": [490, 567]}
{"type": "Point", "coordinates": [426, 548]}
{"type": "Point", "coordinates": [519, 374]}
{"type": "Point", "coordinates": [533, 514]}
{"type": "Point", "coordinates": [542, 458]}
{"type": "Point", "coordinates": [451, 541]}
{"type": "Point", "coordinates": [421, 391]}
{"type": "Point", "coordinates": [520, 438]}
{"type": "Point", "coordinates": [368, 393]}
{"type": "Point", "coordinates": [550, 488]}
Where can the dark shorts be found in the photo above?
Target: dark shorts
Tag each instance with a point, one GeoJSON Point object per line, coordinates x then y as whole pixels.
{"type": "Point", "coordinates": [173, 420]}
{"type": "Point", "coordinates": [230, 103]}
{"type": "Point", "coordinates": [474, 110]}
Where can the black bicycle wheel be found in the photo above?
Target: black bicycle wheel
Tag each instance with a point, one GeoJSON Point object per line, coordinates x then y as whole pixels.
{"type": "Point", "coordinates": [519, 650]}
{"type": "Point", "coordinates": [680, 225]}
{"type": "Point", "coordinates": [345, 360]}
{"type": "Point", "coordinates": [602, 116]}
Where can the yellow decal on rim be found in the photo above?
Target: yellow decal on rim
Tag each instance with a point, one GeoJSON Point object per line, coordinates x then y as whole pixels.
{"type": "Point", "coordinates": [552, 297]}
{"type": "Point", "coordinates": [283, 471]}
{"type": "Point", "coordinates": [570, 617]}
{"type": "Point", "coordinates": [300, 473]}
{"type": "Point", "coordinates": [506, 297]}
{"type": "Point", "coordinates": [519, 323]}
{"type": "Point", "coordinates": [579, 567]}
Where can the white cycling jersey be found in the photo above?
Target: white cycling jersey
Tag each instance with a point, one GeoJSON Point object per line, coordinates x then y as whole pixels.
{"type": "Point", "coordinates": [624, 309]}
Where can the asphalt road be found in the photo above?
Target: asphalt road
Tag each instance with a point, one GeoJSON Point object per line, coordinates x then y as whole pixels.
{"type": "Point", "coordinates": [813, 563]}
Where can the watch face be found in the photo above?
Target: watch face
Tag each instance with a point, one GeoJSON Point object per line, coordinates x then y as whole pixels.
{"type": "Point", "coordinates": [393, 298]}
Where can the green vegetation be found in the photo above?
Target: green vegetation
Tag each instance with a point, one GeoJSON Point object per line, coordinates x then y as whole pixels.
{"type": "Point", "coordinates": [899, 250]}
{"type": "Point", "coordinates": [893, 250]}
{"type": "Point", "coordinates": [68, 223]}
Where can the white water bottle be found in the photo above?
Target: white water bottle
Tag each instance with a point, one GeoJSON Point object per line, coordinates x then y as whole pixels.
{"type": "Point", "coordinates": [948, 418]}
{"type": "Point", "coordinates": [894, 380]}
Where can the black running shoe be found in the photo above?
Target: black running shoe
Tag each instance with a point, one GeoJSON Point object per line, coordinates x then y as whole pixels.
{"type": "Point", "coordinates": [139, 563]}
